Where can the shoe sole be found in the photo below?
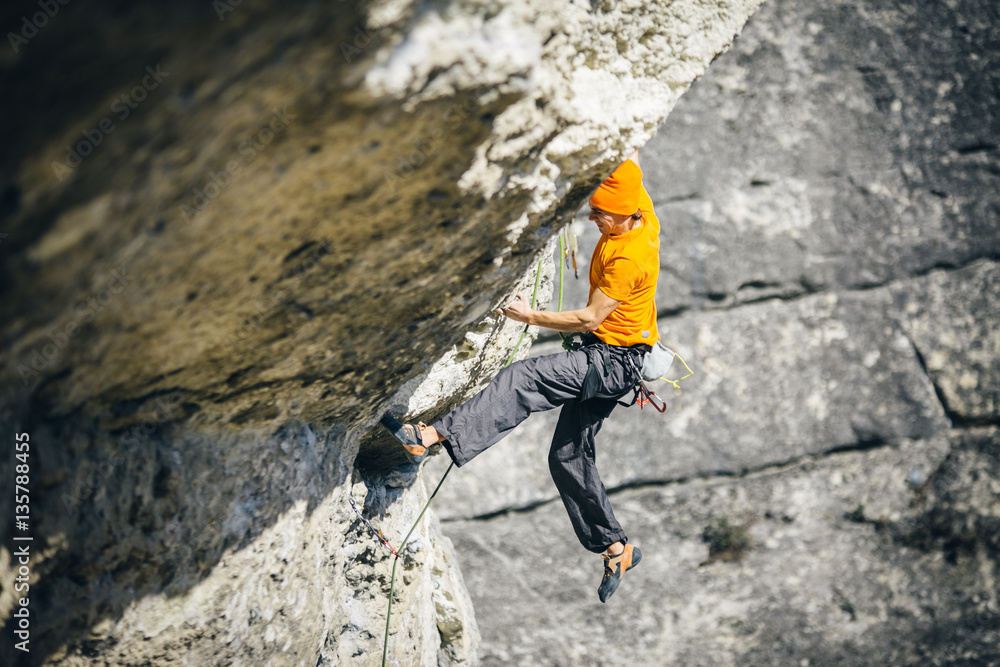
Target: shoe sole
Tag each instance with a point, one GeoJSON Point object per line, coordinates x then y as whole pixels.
{"type": "Point", "coordinates": [395, 429]}
{"type": "Point", "coordinates": [636, 558]}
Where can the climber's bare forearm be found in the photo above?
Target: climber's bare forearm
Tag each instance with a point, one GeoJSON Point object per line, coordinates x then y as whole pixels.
{"type": "Point", "coordinates": [568, 321]}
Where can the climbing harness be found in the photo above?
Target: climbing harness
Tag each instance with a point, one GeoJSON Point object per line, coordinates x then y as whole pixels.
{"type": "Point", "coordinates": [662, 358]}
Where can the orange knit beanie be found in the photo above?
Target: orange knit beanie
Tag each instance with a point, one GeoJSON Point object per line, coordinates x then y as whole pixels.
{"type": "Point", "coordinates": [620, 193]}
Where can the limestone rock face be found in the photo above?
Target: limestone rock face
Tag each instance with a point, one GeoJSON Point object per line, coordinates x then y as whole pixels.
{"type": "Point", "coordinates": [949, 318]}
{"type": "Point", "coordinates": [232, 236]}
{"type": "Point", "coordinates": [824, 489]}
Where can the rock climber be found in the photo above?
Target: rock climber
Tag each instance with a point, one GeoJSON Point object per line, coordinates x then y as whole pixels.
{"type": "Point", "coordinates": [618, 326]}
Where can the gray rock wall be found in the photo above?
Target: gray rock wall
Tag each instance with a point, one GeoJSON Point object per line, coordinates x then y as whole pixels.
{"type": "Point", "coordinates": [823, 491]}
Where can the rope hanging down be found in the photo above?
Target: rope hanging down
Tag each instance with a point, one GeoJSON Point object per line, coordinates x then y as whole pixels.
{"type": "Point", "coordinates": [392, 580]}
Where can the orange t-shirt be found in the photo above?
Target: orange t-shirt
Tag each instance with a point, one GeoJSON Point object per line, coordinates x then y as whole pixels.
{"type": "Point", "coordinates": [625, 267]}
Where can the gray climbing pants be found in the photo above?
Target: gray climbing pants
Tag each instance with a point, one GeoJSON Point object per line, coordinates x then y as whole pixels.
{"type": "Point", "coordinates": [585, 383]}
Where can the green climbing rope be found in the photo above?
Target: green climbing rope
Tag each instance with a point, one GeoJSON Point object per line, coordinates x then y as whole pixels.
{"type": "Point", "coordinates": [392, 579]}
{"type": "Point", "coordinates": [562, 266]}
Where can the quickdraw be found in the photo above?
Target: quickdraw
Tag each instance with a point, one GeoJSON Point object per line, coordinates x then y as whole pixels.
{"type": "Point", "coordinates": [568, 248]}
{"type": "Point", "coordinates": [643, 395]}
{"type": "Point", "coordinates": [377, 534]}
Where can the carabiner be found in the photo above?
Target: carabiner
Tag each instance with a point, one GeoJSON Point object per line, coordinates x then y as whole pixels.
{"type": "Point", "coordinates": [651, 396]}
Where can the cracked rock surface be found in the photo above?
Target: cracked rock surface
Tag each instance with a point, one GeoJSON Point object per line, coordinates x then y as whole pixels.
{"type": "Point", "coordinates": [907, 579]}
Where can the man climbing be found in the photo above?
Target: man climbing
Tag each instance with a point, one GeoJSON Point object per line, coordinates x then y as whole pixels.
{"type": "Point", "coordinates": [618, 326]}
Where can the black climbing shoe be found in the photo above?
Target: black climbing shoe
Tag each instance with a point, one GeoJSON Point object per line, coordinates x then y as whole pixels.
{"type": "Point", "coordinates": [615, 567]}
{"type": "Point", "coordinates": [408, 435]}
